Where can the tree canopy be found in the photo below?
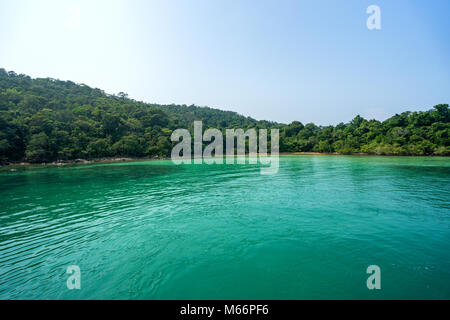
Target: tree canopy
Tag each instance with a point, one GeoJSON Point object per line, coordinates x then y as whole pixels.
{"type": "Point", "coordinates": [44, 120]}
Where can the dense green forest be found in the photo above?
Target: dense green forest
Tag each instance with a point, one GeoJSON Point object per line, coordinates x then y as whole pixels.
{"type": "Point", "coordinates": [43, 120]}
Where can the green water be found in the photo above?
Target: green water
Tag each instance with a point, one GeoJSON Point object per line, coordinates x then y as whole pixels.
{"type": "Point", "coordinates": [153, 230]}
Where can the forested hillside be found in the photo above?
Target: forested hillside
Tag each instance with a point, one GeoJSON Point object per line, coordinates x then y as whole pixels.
{"type": "Point", "coordinates": [44, 120]}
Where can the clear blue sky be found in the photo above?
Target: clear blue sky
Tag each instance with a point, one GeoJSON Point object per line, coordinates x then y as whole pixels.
{"type": "Point", "coordinates": [313, 61]}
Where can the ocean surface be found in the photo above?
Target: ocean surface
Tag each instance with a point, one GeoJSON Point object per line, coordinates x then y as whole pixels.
{"type": "Point", "coordinates": [154, 230]}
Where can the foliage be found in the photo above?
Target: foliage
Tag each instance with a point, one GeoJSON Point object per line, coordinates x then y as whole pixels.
{"type": "Point", "coordinates": [45, 120]}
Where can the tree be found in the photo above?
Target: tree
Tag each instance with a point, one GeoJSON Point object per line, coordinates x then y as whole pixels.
{"type": "Point", "coordinates": [99, 148]}
{"type": "Point", "coordinates": [38, 148]}
{"type": "Point", "coordinates": [49, 119]}
{"type": "Point", "coordinates": [128, 146]}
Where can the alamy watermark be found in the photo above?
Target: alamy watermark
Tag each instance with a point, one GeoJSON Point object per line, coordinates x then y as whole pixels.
{"type": "Point", "coordinates": [374, 280]}
{"type": "Point", "coordinates": [74, 280]}
{"type": "Point", "coordinates": [213, 153]}
{"type": "Point", "coordinates": [374, 20]}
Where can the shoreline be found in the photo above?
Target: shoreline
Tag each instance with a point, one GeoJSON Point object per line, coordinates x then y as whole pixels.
{"type": "Point", "coordinates": [129, 159]}
{"type": "Point", "coordinates": [61, 163]}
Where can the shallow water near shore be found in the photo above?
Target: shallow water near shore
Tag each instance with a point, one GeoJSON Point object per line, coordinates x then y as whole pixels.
{"type": "Point", "coordinates": [154, 230]}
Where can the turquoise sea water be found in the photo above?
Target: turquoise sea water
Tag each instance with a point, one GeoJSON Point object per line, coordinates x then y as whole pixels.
{"type": "Point", "coordinates": [153, 230]}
